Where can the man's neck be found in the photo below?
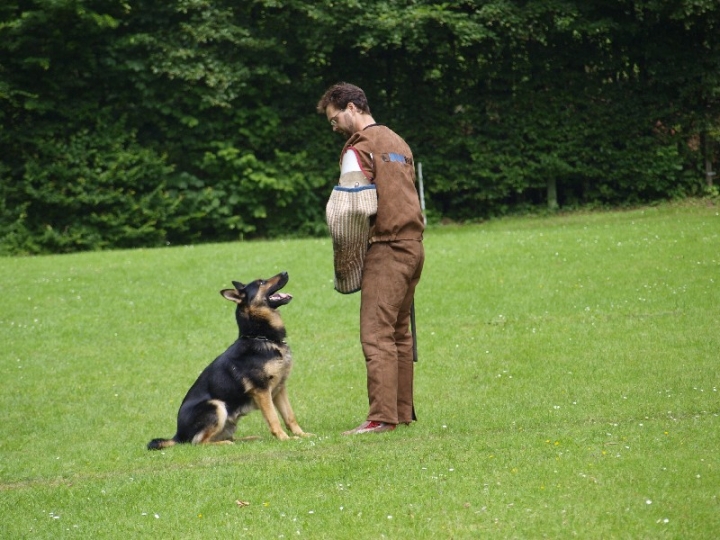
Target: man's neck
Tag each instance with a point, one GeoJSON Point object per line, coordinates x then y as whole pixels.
{"type": "Point", "coordinates": [363, 121]}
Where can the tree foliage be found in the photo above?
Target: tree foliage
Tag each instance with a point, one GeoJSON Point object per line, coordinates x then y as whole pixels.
{"type": "Point", "coordinates": [142, 123]}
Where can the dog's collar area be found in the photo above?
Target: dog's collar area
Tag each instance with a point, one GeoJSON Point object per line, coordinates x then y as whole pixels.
{"type": "Point", "coordinates": [262, 338]}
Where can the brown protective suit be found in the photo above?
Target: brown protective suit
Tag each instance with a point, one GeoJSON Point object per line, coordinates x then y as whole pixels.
{"type": "Point", "coordinates": [391, 271]}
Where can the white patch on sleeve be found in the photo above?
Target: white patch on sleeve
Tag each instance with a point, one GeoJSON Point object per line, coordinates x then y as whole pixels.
{"type": "Point", "coordinates": [350, 162]}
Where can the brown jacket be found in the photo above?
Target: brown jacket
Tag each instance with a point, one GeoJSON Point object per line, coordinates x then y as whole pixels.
{"type": "Point", "coordinates": [387, 161]}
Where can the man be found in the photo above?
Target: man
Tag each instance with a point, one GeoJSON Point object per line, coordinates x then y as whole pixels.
{"type": "Point", "coordinates": [394, 261]}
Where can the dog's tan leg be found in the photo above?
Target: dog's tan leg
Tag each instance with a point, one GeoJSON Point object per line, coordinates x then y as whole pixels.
{"type": "Point", "coordinates": [264, 402]}
{"type": "Point", "coordinates": [211, 432]}
{"type": "Point", "coordinates": [288, 415]}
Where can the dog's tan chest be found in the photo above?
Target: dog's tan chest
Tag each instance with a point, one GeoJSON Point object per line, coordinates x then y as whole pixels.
{"type": "Point", "coordinates": [275, 371]}
{"type": "Point", "coordinates": [279, 368]}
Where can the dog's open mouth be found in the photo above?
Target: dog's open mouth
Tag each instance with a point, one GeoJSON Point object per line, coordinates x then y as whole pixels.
{"type": "Point", "coordinates": [279, 299]}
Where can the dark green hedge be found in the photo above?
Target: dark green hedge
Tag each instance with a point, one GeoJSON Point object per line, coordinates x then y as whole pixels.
{"type": "Point", "coordinates": [145, 123]}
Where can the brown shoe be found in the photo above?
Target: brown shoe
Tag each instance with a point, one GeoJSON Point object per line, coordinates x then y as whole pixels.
{"type": "Point", "coordinates": [370, 427]}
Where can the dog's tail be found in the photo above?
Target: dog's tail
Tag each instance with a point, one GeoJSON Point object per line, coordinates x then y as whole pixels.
{"type": "Point", "coordinates": [159, 444]}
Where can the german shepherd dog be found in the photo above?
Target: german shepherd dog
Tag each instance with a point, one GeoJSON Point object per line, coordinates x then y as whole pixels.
{"type": "Point", "coordinates": [251, 374]}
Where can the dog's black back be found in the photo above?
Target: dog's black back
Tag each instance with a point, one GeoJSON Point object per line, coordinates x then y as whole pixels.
{"type": "Point", "coordinates": [250, 374]}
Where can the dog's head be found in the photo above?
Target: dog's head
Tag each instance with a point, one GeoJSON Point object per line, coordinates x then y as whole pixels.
{"type": "Point", "coordinates": [257, 304]}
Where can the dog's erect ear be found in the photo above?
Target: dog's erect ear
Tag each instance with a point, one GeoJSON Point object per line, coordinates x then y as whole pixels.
{"type": "Point", "coordinates": [233, 295]}
{"type": "Point", "coordinates": [239, 286]}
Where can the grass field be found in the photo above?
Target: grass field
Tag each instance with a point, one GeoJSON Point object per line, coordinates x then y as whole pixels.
{"type": "Point", "coordinates": [567, 387]}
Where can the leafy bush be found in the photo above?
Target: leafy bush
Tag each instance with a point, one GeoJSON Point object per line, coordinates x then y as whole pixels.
{"type": "Point", "coordinates": [91, 191]}
{"type": "Point", "coordinates": [140, 123]}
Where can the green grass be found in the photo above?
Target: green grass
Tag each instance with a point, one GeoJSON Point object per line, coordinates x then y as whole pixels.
{"type": "Point", "coordinates": [567, 388]}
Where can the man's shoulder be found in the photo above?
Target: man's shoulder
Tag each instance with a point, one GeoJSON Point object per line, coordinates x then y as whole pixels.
{"type": "Point", "coordinates": [374, 136]}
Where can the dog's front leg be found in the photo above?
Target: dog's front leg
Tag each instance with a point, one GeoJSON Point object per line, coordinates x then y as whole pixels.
{"type": "Point", "coordinates": [263, 400]}
{"type": "Point", "coordinates": [288, 415]}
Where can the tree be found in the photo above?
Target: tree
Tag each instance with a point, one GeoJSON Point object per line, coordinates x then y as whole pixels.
{"type": "Point", "coordinates": [143, 123]}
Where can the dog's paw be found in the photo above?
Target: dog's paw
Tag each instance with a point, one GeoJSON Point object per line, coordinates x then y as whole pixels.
{"type": "Point", "coordinates": [250, 438]}
{"type": "Point", "coordinates": [298, 432]}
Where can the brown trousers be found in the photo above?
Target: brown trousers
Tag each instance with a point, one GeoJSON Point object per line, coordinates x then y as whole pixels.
{"type": "Point", "coordinates": [391, 272]}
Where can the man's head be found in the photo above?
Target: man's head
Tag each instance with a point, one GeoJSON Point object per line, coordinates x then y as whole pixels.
{"type": "Point", "coordinates": [345, 107]}
{"type": "Point", "coordinates": [340, 94]}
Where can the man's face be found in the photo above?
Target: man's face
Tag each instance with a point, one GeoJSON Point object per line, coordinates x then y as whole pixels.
{"type": "Point", "coordinates": [340, 119]}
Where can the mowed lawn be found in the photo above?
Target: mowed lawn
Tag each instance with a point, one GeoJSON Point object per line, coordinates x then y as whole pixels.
{"type": "Point", "coordinates": [567, 387]}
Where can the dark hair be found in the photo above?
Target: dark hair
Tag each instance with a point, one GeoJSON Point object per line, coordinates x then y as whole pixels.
{"type": "Point", "coordinates": [340, 94]}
